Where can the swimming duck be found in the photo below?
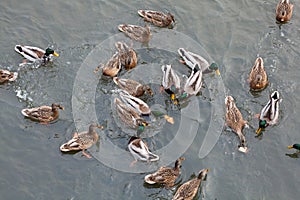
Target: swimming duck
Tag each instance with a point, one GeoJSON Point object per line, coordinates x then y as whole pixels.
{"type": "Point", "coordinates": [34, 53]}
{"type": "Point", "coordinates": [258, 78]}
{"type": "Point", "coordinates": [82, 141]}
{"type": "Point", "coordinates": [165, 175]}
{"type": "Point", "coordinates": [134, 88]}
{"type": "Point", "coordinates": [284, 11]}
{"type": "Point", "coordinates": [6, 75]}
{"type": "Point", "coordinates": [138, 33]}
{"type": "Point", "coordinates": [170, 81]}
{"type": "Point", "coordinates": [43, 114]}
{"type": "Point", "coordinates": [129, 116]}
{"type": "Point", "coordinates": [294, 146]}
{"type": "Point", "coordinates": [158, 18]}
{"type": "Point", "coordinates": [139, 105]}
{"type": "Point", "coordinates": [112, 67]}
{"type": "Point", "coordinates": [188, 190]}
{"type": "Point", "coordinates": [194, 82]}
{"type": "Point", "coordinates": [190, 59]}
{"type": "Point", "coordinates": [270, 113]}
{"type": "Point", "coordinates": [235, 121]}
{"type": "Point", "coordinates": [127, 55]}
{"type": "Point", "coordinates": [140, 150]}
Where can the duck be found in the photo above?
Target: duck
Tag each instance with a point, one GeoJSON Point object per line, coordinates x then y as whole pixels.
{"type": "Point", "coordinates": [165, 175]}
{"type": "Point", "coordinates": [6, 75]}
{"type": "Point", "coordinates": [170, 81]}
{"type": "Point", "coordinates": [158, 18]}
{"type": "Point", "coordinates": [138, 33]}
{"type": "Point", "coordinates": [129, 116]}
{"type": "Point", "coordinates": [127, 55]}
{"type": "Point", "coordinates": [82, 141]}
{"type": "Point", "coordinates": [188, 190]}
{"type": "Point", "coordinates": [258, 79]}
{"type": "Point", "coordinates": [294, 146]}
{"type": "Point", "coordinates": [235, 121]}
{"type": "Point", "coordinates": [284, 11]}
{"type": "Point", "coordinates": [190, 59]}
{"type": "Point", "coordinates": [269, 115]}
{"type": "Point", "coordinates": [133, 87]}
{"type": "Point", "coordinates": [140, 151]}
{"type": "Point", "coordinates": [35, 53]}
{"type": "Point", "coordinates": [194, 82]}
{"type": "Point", "coordinates": [43, 114]}
{"type": "Point", "coordinates": [137, 104]}
{"type": "Point", "coordinates": [112, 67]}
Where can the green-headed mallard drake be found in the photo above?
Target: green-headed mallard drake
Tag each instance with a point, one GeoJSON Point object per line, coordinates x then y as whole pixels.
{"type": "Point", "coordinates": [127, 55]}
{"type": "Point", "coordinates": [170, 81]}
{"type": "Point", "coordinates": [188, 190]}
{"type": "Point", "coordinates": [82, 141]}
{"type": "Point", "coordinates": [34, 53]}
{"type": "Point", "coordinates": [6, 75]}
{"type": "Point", "coordinates": [235, 121]}
{"type": "Point", "coordinates": [43, 114]}
{"type": "Point", "coordinates": [258, 78]}
{"type": "Point", "coordinates": [139, 105]}
{"type": "Point", "coordinates": [112, 67]}
{"type": "Point", "coordinates": [294, 146]}
{"type": "Point", "coordinates": [284, 11]}
{"type": "Point", "coordinates": [140, 150]}
{"type": "Point", "coordinates": [134, 88]}
{"type": "Point", "coordinates": [193, 83]}
{"type": "Point", "coordinates": [157, 18]}
{"type": "Point", "coordinates": [270, 113]}
{"type": "Point", "coordinates": [138, 33]}
{"type": "Point", "coordinates": [165, 175]}
{"type": "Point", "coordinates": [190, 59]}
{"type": "Point", "coordinates": [129, 116]}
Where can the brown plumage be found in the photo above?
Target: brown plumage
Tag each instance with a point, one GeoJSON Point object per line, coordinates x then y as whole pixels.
{"type": "Point", "coordinates": [113, 66]}
{"type": "Point", "coordinates": [165, 175]}
{"type": "Point", "coordinates": [6, 75]}
{"type": "Point", "coordinates": [157, 18]}
{"type": "Point", "coordinates": [258, 78]}
{"type": "Point", "coordinates": [44, 114]}
{"type": "Point", "coordinates": [188, 190]}
{"type": "Point", "coordinates": [127, 55]}
{"type": "Point", "coordinates": [138, 33]}
{"type": "Point", "coordinates": [134, 88]}
{"type": "Point", "coordinates": [284, 11]}
{"type": "Point", "coordinates": [235, 121]}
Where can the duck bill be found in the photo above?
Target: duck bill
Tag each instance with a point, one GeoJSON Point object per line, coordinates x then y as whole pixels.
{"type": "Point", "coordinates": [55, 54]}
{"type": "Point", "coordinates": [218, 72]}
{"type": "Point", "coordinates": [290, 147]}
{"type": "Point", "coordinates": [258, 131]}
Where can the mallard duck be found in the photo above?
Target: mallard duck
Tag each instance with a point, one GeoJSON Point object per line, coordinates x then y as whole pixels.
{"type": "Point", "coordinates": [138, 33]}
{"type": "Point", "coordinates": [6, 75]}
{"type": "Point", "coordinates": [170, 81]}
{"type": "Point", "coordinates": [129, 116]}
{"type": "Point", "coordinates": [194, 82]}
{"type": "Point", "coordinates": [190, 59]}
{"type": "Point", "coordinates": [270, 113]}
{"type": "Point", "coordinates": [82, 141]}
{"type": "Point", "coordinates": [135, 103]}
{"type": "Point", "coordinates": [158, 18]}
{"type": "Point", "coordinates": [165, 175]}
{"type": "Point", "coordinates": [258, 78]}
{"type": "Point", "coordinates": [294, 146]}
{"type": "Point", "coordinates": [112, 67]}
{"type": "Point", "coordinates": [127, 55]}
{"type": "Point", "coordinates": [235, 121]}
{"type": "Point", "coordinates": [140, 150]}
{"type": "Point", "coordinates": [134, 88]}
{"type": "Point", "coordinates": [43, 114]}
{"type": "Point", "coordinates": [34, 53]}
{"type": "Point", "coordinates": [284, 11]}
{"type": "Point", "coordinates": [188, 190]}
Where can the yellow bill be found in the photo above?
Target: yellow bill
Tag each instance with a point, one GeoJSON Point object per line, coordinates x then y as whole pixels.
{"type": "Point", "coordinates": [55, 54]}
{"type": "Point", "coordinates": [290, 147]}
{"type": "Point", "coordinates": [258, 131]}
{"type": "Point", "coordinates": [218, 72]}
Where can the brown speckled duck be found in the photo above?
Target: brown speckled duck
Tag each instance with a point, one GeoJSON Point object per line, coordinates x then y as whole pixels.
{"type": "Point", "coordinates": [258, 78]}
{"type": "Point", "coordinates": [138, 33]}
{"type": "Point", "coordinates": [284, 11]}
{"type": "Point", "coordinates": [134, 88]}
{"type": "Point", "coordinates": [157, 18]}
{"type": "Point", "coordinates": [127, 55]}
{"type": "Point", "coordinates": [6, 75]}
